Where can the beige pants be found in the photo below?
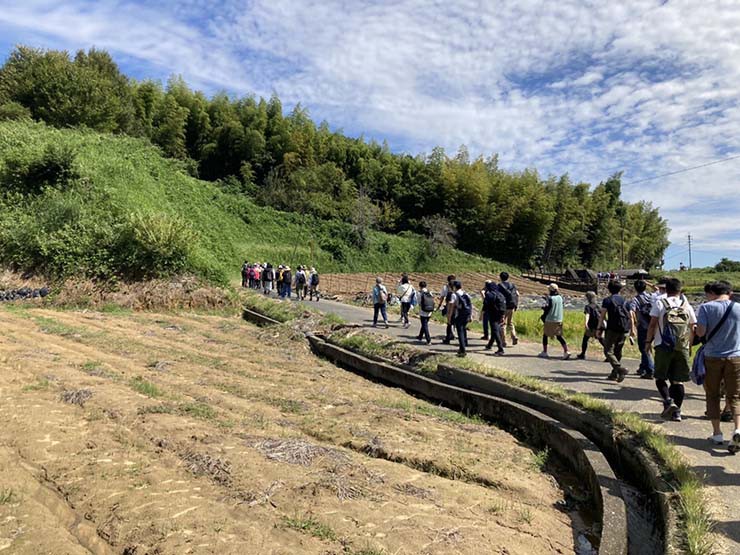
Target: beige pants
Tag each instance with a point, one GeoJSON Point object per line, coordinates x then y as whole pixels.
{"type": "Point", "coordinates": [509, 319]}
{"type": "Point", "coordinates": [719, 370]}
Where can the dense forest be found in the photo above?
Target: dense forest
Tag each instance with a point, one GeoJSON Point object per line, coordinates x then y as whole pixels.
{"type": "Point", "coordinates": [250, 147]}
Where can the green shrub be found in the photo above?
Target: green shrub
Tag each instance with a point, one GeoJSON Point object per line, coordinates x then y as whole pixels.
{"type": "Point", "coordinates": [14, 111]}
{"type": "Point", "coordinates": [55, 167]}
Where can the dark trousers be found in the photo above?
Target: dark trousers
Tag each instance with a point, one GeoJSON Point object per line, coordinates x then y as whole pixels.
{"type": "Point", "coordinates": [496, 334]}
{"type": "Point", "coordinates": [586, 337]}
{"type": "Point", "coordinates": [486, 324]}
{"type": "Point", "coordinates": [405, 307]}
{"type": "Point", "coordinates": [424, 331]}
{"type": "Point", "coordinates": [613, 345]}
{"type": "Point", "coordinates": [462, 333]}
{"type": "Point", "coordinates": [379, 307]}
{"type": "Point", "coordinates": [646, 361]}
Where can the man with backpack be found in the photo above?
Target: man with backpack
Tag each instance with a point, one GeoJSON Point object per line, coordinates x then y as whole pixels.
{"type": "Point", "coordinates": [268, 279]}
{"type": "Point", "coordinates": [494, 310]}
{"type": "Point", "coordinates": [591, 324]}
{"type": "Point", "coordinates": [426, 307]}
{"type": "Point", "coordinates": [718, 322]}
{"type": "Point", "coordinates": [300, 283]}
{"type": "Point", "coordinates": [672, 322]}
{"type": "Point", "coordinates": [459, 312]}
{"type": "Point", "coordinates": [287, 280]}
{"type": "Point", "coordinates": [616, 313]}
{"type": "Point", "coordinates": [640, 308]}
{"type": "Point", "coordinates": [511, 294]}
{"type": "Point", "coordinates": [380, 302]}
{"type": "Point", "coordinates": [406, 295]}
{"type": "Point", "coordinates": [313, 285]}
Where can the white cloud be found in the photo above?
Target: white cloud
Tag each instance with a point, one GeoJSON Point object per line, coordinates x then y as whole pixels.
{"type": "Point", "coordinates": [584, 88]}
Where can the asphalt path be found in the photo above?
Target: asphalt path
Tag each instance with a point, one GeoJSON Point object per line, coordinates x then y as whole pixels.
{"type": "Point", "coordinates": [720, 469]}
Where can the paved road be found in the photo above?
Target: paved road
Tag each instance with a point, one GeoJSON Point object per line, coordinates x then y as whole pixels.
{"type": "Point", "coordinates": [721, 470]}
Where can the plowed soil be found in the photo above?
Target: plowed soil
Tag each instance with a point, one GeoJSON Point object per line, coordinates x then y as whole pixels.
{"type": "Point", "coordinates": [181, 433]}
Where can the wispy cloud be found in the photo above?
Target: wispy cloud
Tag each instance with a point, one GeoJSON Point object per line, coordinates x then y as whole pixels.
{"type": "Point", "coordinates": [643, 86]}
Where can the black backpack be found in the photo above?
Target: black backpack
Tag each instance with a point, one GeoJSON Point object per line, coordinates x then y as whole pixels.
{"type": "Point", "coordinates": [619, 316]}
{"type": "Point", "coordinates": [427, 301]}
{"type": "Point", "coordinates": [464, 307]}
{"type": "Point", "coordinates": [505, 290]}
{"type": "Point", "coordinates": [495, 302]}
{"type": "Point", "coordinates": [268, 275]}
{"type": "Point", "coordinates": [301, 278]}
{"type": "Point", "coordinates": [287, 277]}
{"type": "Point", "coordinates": [314, 279]}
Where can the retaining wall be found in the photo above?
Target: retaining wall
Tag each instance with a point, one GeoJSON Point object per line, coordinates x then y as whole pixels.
{"type": "Point", "coordinates": [571, 445]}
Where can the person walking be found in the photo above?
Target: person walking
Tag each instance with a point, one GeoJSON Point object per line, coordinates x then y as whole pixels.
{"type": "Point", "coordinates": [287, 280]}
{"type": "Point", "coordinates": [494, 310]}
{"type": "Point", "coordinates": [718, 322]}
{"type": "Point", "coordinates": [300, 283]}
{"type": "Point", "coordinates": [511, 294]}
{"type": "Point", "coordinates": [406, 294]}
{"type": "Point", "coordinates": [671, 333]}
{"type": "Point", "coordinates": [313, 282]}
{"type": "Point", "coordinates": [640, 308]}
{"type": "Point", "coordinates": [459, 312]}
{"type": "Point", "coordinates": [615, 325]}
{"type": "Point", "coordinates": [591, 325]}
{"type": "Point", "coordinates": [426, 307]}
{"type": "Point", "coordinates": [268, 279]}
{"type": "Point", "coordinates": [552, 318]}
{"type": "Point", "coordinates": [245, 274]}
{"type": "Point", "coordinates": [380, 302]}
{"type": "Point", "coordinates": [444, 299]}
{"type": "Point", "coordinates": [483, 314]}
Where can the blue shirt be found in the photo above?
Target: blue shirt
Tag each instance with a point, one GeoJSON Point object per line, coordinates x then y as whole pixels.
{"type": "Point", "coordinates": [726, 342]}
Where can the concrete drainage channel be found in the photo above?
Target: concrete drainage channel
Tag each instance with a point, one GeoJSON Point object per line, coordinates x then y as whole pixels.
{"type": "Point", "coordinates": [572, 447]}
{"type": "Point", "coordinates": [631, 521]}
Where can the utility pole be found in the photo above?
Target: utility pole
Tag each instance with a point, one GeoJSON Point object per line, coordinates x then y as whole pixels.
{"type": "Point", "coordinates": [690, 266]}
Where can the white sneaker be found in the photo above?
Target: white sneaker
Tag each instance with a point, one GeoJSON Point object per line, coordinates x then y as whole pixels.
{"type": "Point", "coordinates": [566, 356]}
{"type": "Point", "coordinates": [543, 354]}
{"type": "Point", "coordinates": [717, 439]}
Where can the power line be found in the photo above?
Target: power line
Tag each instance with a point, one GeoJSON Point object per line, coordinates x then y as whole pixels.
{"type": "Point", "coordinates": [684, 170]}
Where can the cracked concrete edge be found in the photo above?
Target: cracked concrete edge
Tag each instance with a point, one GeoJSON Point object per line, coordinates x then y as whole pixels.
{"type": "Point", "coordinates": [571, 445]}
{"type": "Point", "coordinates": [634, 461]}
{"type": "Point", "coordinates": [257, 318]}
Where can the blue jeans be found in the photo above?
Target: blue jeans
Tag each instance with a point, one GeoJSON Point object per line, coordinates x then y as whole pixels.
{"type": "Point", "coordinates": [424, 331]}
{"type": "Point", "coordinates": [646, 361]}
{"type": "Point", "coordinates": [378, 307]}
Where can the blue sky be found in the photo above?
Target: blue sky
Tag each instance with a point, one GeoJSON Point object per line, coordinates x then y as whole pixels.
{"type": "Point", "coordinates": [577, 87]}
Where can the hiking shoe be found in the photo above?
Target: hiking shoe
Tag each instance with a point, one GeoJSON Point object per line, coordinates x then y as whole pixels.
{"type": "Point", "coordinates": [488, 347]}
{"type": "Point", "coordinates": [612, 377]}
{"type": "Point", "coordinates": [669, 409]}
{"type": "Point", "coordinates": [566, 356]}
{"type": "Point", "coordinates": [726, 416]}
{"type": "Point", "coordinates": [646, 376]}
{"type": "Point", "coordinates": [499, 353]}
{"type": "Point", "coordinates": [429, 341]}
{"type": "Point", "coordinates": [484, 338]}
{"type": "Point", "coordinates": [505, 344]}
{"type": "Point", "coordinates": [446, 341]}
{"type": "Point", "coordinates": [581, 356]}
{"type": "Point", "coordinates": [717, 439]}
{"type": "Point", "coordinates": [461, 354]}
{"type": "Point", "coordinates": [676, 416]}
{"type": "Point", "coordinates": [514, 340]}
{"type": "Point", "coordinates": [543, 354]}
{"type": "Point", "coordinates": [621, 374]}
{"type": "Point", "coordinates": [386, 325]}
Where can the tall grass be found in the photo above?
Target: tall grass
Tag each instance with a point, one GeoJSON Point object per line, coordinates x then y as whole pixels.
{"type": "Point", "coordinates": [131, 205]}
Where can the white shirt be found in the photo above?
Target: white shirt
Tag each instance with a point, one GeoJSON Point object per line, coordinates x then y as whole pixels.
{"type": "Point", "coordinates": [658, 311]}
{"type": "Point", "coordinates": [405, 291]}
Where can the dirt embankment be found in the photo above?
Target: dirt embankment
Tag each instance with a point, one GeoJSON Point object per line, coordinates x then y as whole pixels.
{"type": "Point", "coordinates": [169, 434]}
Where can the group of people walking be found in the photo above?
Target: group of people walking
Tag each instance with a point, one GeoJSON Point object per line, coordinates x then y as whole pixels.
{"type": "Point", "coordinates": [499, 303]}
{"type": "Point", "coordinates": [662, 322]}
{"type": "Point", "coordinates": [304, 283]}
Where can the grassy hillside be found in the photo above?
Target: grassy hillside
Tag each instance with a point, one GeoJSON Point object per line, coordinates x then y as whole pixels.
{"type": "Point", "coordinates": [123, 209]}
{"type": "Point", "coordinates": [694, 280]}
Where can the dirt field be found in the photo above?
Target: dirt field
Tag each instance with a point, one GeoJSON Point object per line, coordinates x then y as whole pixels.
{"type": "Point", "coordinates": [152, 434]}
{"type": "Point", "coordinates": [351, 284]}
